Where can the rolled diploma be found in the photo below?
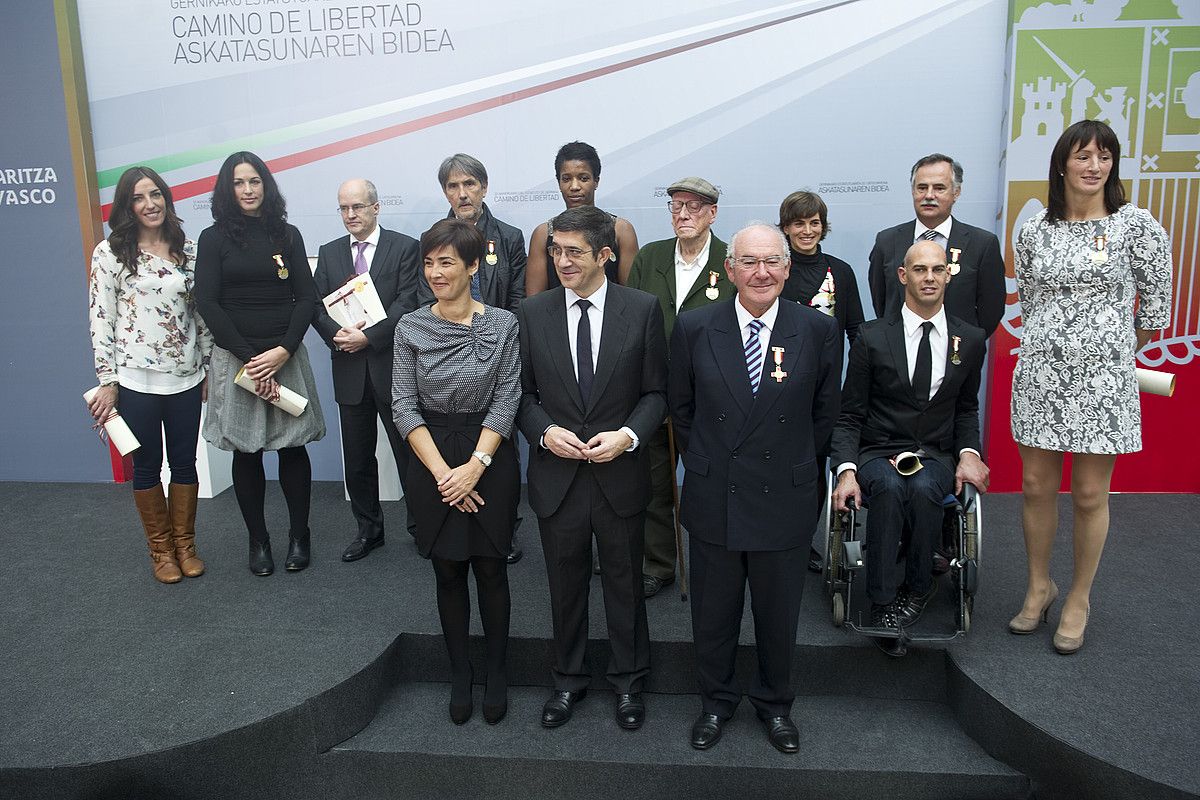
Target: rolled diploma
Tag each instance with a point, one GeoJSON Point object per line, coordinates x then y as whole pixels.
{"type": "Point", "coordinates": [116, 428]}
{"type": "Point", "coordinates": [1155, 382]}
{"type": "Point", "coordinates": [907, 463]}
{"type": "Point", "coordinates": [288, 401]}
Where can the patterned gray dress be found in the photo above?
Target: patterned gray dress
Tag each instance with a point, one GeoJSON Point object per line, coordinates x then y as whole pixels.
{"type": "Point", "coordinates": [1074, 388]}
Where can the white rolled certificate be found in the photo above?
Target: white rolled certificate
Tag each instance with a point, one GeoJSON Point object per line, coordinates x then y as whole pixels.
{"type": "Point", "coordinates": [1154, 382]}
{"type": "Point", "coordinates": [908, 463]}
{"type": "Point", "coordinates": [116, 428]}
{"type": "Point", "coordinates": [288, 401]}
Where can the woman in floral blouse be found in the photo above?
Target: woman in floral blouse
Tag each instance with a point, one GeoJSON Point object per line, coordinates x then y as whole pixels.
{"type": "Point", "coordinates": [151, 352]}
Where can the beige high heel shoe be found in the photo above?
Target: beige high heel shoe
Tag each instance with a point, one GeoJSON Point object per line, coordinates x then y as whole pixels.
{"type": "Point", "coordinates": [1024, 625]}
{"type": "Point", "coordinates": [1066, 645]}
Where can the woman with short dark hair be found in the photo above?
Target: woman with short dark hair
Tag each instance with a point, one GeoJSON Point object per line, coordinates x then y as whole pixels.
{"type": "Point", "coordinates": [455, 394]}
{"type": "Point", "coordinates": [151, 350]}
{"type": "Point", "coordinates": [255, 290]}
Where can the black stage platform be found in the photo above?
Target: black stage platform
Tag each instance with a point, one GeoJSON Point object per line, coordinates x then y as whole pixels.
{"type": "Point", "coordinates": [328, 683]}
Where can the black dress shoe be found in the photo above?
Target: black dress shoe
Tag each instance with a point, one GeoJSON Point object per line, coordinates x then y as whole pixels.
{"type": "Point", "coordinates": [360, 547]}
{"type": "Point", "coordinates": [261, 563]}
{"type": "Point", "coordinates": [706, 731]}
{"type": "Point", "coordinates": [297, 557]}
{"type": "Point", "coordinates": [816, 561]}
{"type": "Point", "coordinates": [631, 711]}
{"type": "Point", "coordinates": [558, 708]}
{"type": "Point", "coordinates": [652, 585]}
{"type": "Point", "coordinates": [514, 555]}
{"type": "Point", "coordinates": [910, 605]}
{"type": "Point", "coordinates": [782, 734]}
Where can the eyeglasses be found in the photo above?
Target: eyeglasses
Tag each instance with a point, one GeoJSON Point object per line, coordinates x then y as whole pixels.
{"type": "Point", "coordinates": [573, 253]}
{"type": "Point", "coordinates": [773, 263]}
{"type": "Point", "coordinates": [357, 208]}
{"type": "Point", "coordinates": [693, 206]}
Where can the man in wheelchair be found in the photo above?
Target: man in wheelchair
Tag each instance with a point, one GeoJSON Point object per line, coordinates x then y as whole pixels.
{"type": "Point", "coordinates": [908, 435]}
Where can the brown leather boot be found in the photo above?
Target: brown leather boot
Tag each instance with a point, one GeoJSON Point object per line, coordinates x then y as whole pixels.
{"type": "Point", "coordinates": [182, 501]}
{"type": "Point", "coordinates": [152, 506]}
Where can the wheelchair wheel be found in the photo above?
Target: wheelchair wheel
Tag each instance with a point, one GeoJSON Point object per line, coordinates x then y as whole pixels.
{"type": "Point", "coordinates": [839, 610]}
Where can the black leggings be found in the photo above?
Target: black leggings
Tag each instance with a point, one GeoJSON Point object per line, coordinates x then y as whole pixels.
{"type": "Point", "coordinates": [149, 416]}
{"type": "Point", "coordinates": [250, 486]}
{"type": "Point", "coordinates": [454, 608]}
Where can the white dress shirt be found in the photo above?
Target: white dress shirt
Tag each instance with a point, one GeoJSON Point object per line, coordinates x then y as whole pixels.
{"type": "Point", "coordinates": [764, 336]}
{"type": "Point", "coordinates": [686, 272]}
{"type": "Point", "coordinates": [368, 254]}
{"type": "Point", "coordinates": [943, 231]}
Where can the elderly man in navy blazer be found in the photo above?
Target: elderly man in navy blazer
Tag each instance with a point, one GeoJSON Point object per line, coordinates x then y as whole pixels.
{"type": "Point", "coordinates": [362, 357]}
{"type": "Point", "coordinates": [753, 392]}
{"type": "Point", "coordinates": [593, 390]}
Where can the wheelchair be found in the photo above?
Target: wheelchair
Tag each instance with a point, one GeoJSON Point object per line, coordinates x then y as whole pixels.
{"type": "Point", "coordinates": [846, 554]}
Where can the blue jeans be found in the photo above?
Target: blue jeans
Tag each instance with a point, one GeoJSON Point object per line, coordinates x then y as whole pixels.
{"type": "Point", "coordinates": [148, 416]}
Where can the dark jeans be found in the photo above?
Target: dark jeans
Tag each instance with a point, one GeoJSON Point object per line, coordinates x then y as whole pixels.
{"type": "Point", "coordinates": [148, 416]}
{"type": "Point", "coordinates": [896, 503]}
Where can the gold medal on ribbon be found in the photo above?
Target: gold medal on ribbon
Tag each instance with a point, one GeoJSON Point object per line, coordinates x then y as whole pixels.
{"type": "Point", "coordinates": [955, 358]}
{"type": "Point", "coordinates": [282, 272]}
{"type": "Point", "coordinates": [711, 292]}
{"type": "Point", "coordinates": [955, 252]}
{"type": "Point", "coordinates": [778, 374]}
{"type": "Point", "coordinates": [1099, 254]}
{"type": "Point", "coordinates": [491, 258]}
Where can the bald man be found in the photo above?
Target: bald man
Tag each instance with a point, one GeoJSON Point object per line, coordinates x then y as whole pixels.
{"type": "Point", "coordinates": [912, 385]}
{"type": "Point", "coordinates": [362, 356]}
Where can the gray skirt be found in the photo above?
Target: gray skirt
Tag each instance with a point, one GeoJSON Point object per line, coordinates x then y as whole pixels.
{"type": "Point", "coordinates": [240, 420]}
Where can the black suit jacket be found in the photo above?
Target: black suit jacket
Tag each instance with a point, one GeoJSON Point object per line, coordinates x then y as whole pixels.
{"type": "Point", "coordinates": [882, 417]}
{"type": "Point", "coordinates": [976, 294]}
{"type": "Point", "coordinates": [629, 390]}
{"type": "Point", "coordinates": [750, 480]}
{"type": "Point", "coordinates": [501, 284]}
{"type": "Point", "coordinates": [394, 270]}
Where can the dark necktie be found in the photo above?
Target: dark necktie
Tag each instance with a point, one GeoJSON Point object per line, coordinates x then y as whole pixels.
{"type": "Point", "coordinates": [930, 235]}
{"type": "Point", "coordinates": [753, 351]}
{"type": "Point", "coordinates": [923, 371]}
{"type": "Point", "coordinates": [583, 350]}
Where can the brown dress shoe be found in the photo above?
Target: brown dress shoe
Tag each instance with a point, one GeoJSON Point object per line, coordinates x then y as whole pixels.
{"type": "Point", "coordinates": [182, 501]}
{"type": "Point", "coordinates": [152, 507]}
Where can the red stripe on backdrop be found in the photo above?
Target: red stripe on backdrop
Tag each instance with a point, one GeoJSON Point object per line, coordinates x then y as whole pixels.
{"type": "Point", "coordinates": [205, 185]}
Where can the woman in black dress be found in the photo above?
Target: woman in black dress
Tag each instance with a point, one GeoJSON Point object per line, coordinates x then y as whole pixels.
{"type": "Point", "coordinates": [455, 394]}
{"type": "Point", "coordinates": [255, 291]}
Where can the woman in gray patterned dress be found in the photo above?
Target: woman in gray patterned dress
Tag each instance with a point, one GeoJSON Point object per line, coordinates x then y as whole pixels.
{"type": "Point", "coordinates": [1080, 265]}
{"type": "Point", "coordinates": [455, 392]}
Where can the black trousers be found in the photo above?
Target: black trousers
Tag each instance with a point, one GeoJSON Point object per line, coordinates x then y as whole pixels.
{"type": "Point", "coordinates": [718, 590]}
{"type": "Point", "coordinates": [567, 544]}
{"type": "Point", "coordinates": [896, 504]}
{"type": "Point", "coordinates": [660, 513]}
{"type": "Point", "coordinates": [359, 435]}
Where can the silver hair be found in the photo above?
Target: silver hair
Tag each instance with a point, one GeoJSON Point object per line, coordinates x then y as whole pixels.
{"type": "Point", "coordinates": [956, 169]}
{"type": "Point", "coordinates": [757, 223]}
{"type": "Point", "coordinates": [462, 162]}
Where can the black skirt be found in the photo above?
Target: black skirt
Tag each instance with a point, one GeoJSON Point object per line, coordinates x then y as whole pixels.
{"type": "Point", "coordinates": [446, 532]}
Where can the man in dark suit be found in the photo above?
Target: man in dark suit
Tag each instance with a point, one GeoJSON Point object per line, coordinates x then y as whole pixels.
{"type": "Point", "coordinates": [683, 273]}
{"type": "Point", "coordinates": [500, 280]}
{"type": "Point", "coordinates": [754, 394]}
{"type": "Point", "coordinates": [593, 388]}
{"type": "Point", "coordinates": [912, 386]}
{"type": "Point", "coordinates": [362, 356]}
{"type": "Point", "coordinates": [977, 294]}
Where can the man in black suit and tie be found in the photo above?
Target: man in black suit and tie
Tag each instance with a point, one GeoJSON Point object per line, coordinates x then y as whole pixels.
{"type": "Point", "coordinates": [912, 386]}
{"type": "Point", "coordinates": [362, 356]}
{"type": "Point", "coordinates": [593, 388]}
{"type": "Point", "coordinates": [754, 395]}
{"type": "Point", "coordinates": [977, 294]}
{"type": "Point", "coordinates": [500, 279]}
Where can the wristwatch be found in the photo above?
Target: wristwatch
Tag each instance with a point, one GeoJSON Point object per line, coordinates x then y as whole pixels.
{"type": "Point", "coordinates": [484, 458]}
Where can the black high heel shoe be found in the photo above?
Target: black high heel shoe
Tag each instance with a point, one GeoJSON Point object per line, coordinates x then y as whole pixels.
{"type": "Point", "coordinates": [494, 712]}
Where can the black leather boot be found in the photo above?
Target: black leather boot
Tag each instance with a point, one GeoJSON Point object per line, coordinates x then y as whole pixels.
{"type": "Point", "coordinates": [261, 563]}
{"type": "Point", "coordinates": [297, 557]}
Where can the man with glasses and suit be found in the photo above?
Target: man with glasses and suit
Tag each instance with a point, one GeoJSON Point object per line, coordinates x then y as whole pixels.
{"type": "Point", "coordinates": [593, 389]}
{"type": "Point", "coordinates": [362, 356]}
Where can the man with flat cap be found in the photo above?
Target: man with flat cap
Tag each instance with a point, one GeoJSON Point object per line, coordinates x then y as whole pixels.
{"type": "Point", "coordinates": [684, 272]}
{"type": "Point", "coordinates": [362, 356]}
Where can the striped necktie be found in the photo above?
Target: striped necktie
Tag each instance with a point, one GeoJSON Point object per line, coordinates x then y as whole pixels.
{"type": "Point", "coordinates": [753, 350]}
{"type": "Point", "coordinates": [930, 235]}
